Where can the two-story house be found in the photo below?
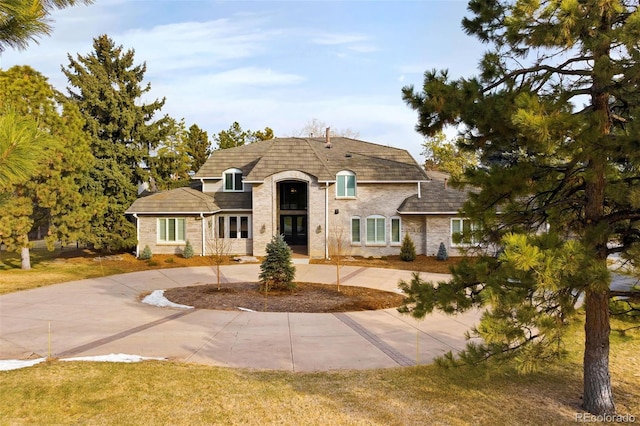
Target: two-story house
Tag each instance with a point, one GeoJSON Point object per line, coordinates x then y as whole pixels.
{"type": "Point", "coordinates": [311, 190]}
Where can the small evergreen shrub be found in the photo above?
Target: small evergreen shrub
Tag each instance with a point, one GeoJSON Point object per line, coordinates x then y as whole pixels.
{"type": "Point", "coordinates": [169, 260]}
{"type": "Point", "coordinates": [442, 252]}
{"type": "Point", "coordinates": [408, 249]}
{"type": "Point", "coordinates": [188, 250]}
{"type": "Point", "coordinates": [277, 271]}
{"type": "Point", "coordinates": [146, 253]}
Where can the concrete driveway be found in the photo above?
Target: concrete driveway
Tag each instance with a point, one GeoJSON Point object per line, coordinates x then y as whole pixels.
{"type": "Point", "coordinates": [104, 315]}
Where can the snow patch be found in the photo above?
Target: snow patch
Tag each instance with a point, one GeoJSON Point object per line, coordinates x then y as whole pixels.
{"type": "Point", "coordinates": [156, 298]}
{"type": "Point", "coordinates": [14, 364]}
{"type": "Point", "coordinates": [113, 358]}
{"type": "Point", "coordinates": [245, 309]}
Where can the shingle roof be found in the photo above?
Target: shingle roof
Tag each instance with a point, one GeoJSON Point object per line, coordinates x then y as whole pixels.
{"type": "Point", "coordinates": [189, 200]}
{"type": "Point", "coordinates": [436, 197]}
{"type": "Point", "coordinates": [370, 162]}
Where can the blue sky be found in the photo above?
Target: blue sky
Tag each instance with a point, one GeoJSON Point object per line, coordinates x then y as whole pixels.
{"type": "Point", "coordinates": [274, 63]}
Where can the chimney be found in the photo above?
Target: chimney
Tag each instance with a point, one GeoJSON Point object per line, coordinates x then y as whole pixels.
{"type": "Point", "coordinates": [327, 138]}
{"type": "Point", "coordinates": [445, 183]}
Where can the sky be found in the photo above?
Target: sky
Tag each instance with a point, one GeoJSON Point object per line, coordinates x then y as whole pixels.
{"type": "Point", "coordinates": [273, 63]}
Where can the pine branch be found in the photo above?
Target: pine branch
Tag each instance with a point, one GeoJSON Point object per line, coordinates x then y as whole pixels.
{"type": "Point", "coordinates": [548, 68]}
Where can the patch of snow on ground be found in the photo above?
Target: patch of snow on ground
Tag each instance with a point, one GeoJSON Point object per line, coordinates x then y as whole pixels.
{"type": "Point", "coordinates": [245, 309]}
{"type": "Point", "coordinates": [113, 358]}
{"type": "Point", "coordinates": [14, 364]}
{"type": "Point", "coordinates": [156, 298]}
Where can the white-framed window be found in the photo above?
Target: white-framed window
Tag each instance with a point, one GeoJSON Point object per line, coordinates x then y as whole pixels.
{"type": "Point", "coordinates": [355, 230]}
{"type": "Point", "coordinates": [234, 226]}
{"type": "Point", "coordinates": [396, 230]}
{"type": "Point", "coordinates": [462, 232]}
{"type": "Point", "coordinates": [233, 180]}
{"type": "Point", "coordinates": [376, 229]}
{"type": "Point", "coordinates": [171, 230]}
{"type": "Point", "coordinates": [346, 184]}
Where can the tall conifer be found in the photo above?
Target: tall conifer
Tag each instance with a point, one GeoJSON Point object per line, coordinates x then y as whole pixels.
{"type": "Point", "coordinates": [107, 87]}
{"type": "Point", "coordinates": [553, 116]}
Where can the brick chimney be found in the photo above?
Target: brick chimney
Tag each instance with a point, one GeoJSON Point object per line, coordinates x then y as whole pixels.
{"type": "Point", "coordinates": [327, 138]}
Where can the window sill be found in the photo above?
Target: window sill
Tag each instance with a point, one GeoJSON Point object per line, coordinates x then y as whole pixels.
{"type": "Point", "coordinates": [171, 243]}
{"type": "Point", "coordinates": [346, 198]}
{"type": "Point", "coordinates": [376, 244]}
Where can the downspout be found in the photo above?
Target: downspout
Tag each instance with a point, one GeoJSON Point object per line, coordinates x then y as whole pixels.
{"type": "Point", "coordinates": [203, 239]}
{"type": "Point", "coordinates": [135, 215]}
{"type": "Point", "coordinates": [326, 220]}
{"type": "Point", "coordinates": [419, 194]}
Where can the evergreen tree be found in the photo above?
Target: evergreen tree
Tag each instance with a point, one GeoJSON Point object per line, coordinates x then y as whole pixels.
{"type": "Point", "coordinates": [442, 252]}
{"type": "Point", "coordinates": [146, 253]}
{"type": "Point", "coordinates": [52, 195]}
{"type": "Point", "coordinates": [198, 147]}
{"type": "Point", "coordinates": [408, 249]}
{"type": "Point", "coordinates": [108, 91]}
{"type": "Point", "coordinates": [188, 250]}
{"type": "Point", "coordinates": [170, 164]}
{"type": "Point", "coordinates": [26, 20]}
{"type": "Point", "coordinates": [277, 271]}
{"type": "Point", "coordinates": [236, 136]}
{"type": "Point", "coordinates": [552, 116]}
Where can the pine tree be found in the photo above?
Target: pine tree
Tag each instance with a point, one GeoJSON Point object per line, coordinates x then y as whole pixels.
{"type": "Point", "coordinates": [237, 136]}
{"type": "Point", "coordinates": [408, 249]}
{"type": "Point", "coordinates": [52, 196]}
{"type": "Point", "coordinates": [552, 116]}
{"type": "Point", "coordinates": [188, 250]}
{"type": "Point", "coordinates": [442, 252]}
{"type": "Point", "coordinates": [108, 91]}
{"type": "Point", "coordinates": [170, 164]}
{"type": "Point", "coordinates": [277, 271]}
{"type": "Point", "coordinates": [198, 147]}
{"type": "Point", "coordinates": [146, 253]}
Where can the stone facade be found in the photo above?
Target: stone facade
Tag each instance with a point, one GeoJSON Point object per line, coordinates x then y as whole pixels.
{"type": "Point", "coordinates": [148, 235]}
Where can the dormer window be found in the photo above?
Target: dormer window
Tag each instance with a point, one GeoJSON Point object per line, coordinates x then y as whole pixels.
{"type": "Point", "coordinates": [233, 180]}
{"type": "Point", "coordinates": [346, 184]}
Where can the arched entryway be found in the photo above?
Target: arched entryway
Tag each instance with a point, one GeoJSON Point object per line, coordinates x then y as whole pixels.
{"type": "Point", "coordinates": [293, 203]}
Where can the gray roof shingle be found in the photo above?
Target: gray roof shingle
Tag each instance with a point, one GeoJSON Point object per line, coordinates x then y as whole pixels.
{"type": "Point", "coordinates": [189, 200]}
{"type": "Point", "coordinates": [369, 161]}
{"type": "Point", "coordinates": [436, 197]}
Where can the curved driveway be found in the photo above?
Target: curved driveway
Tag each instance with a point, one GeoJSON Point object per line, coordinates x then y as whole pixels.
{"type": "Point", "coordinates": [103, 315]}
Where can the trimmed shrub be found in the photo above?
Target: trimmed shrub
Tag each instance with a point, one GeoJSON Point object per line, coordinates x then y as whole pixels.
{"type": "Point", "coordinates": [408, 249]}
{"type": "Point", "coordinates": [188, 250]}
{"type": "Point", "coordinates": [146, 253]}
{"type": "Point", "coordinates": [442, 252]}
{"type": "Point", "coordinates": [277, 271]}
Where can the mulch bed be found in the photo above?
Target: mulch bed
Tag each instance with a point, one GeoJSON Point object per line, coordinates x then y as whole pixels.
{"type": "Point", "coordinates": [306, 297]}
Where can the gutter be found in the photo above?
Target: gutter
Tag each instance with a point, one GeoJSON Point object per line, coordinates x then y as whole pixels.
{"type": "Point", "coordinates": [203, 237]}
{"type": "Point", "coordinates": [137, 235]}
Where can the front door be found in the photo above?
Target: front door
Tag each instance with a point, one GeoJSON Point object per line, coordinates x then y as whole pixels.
{"type": "Point", "coordinates": [294, 229]}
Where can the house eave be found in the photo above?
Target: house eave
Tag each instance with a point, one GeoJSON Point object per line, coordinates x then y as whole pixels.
{"type": "Point", "coordinates": [430, 213]}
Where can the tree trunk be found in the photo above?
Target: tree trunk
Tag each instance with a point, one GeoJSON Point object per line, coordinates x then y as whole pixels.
{"type": "Point", "coordinates": [25, 257]}
{"type": "Point", "coordinates": [598, 396]}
